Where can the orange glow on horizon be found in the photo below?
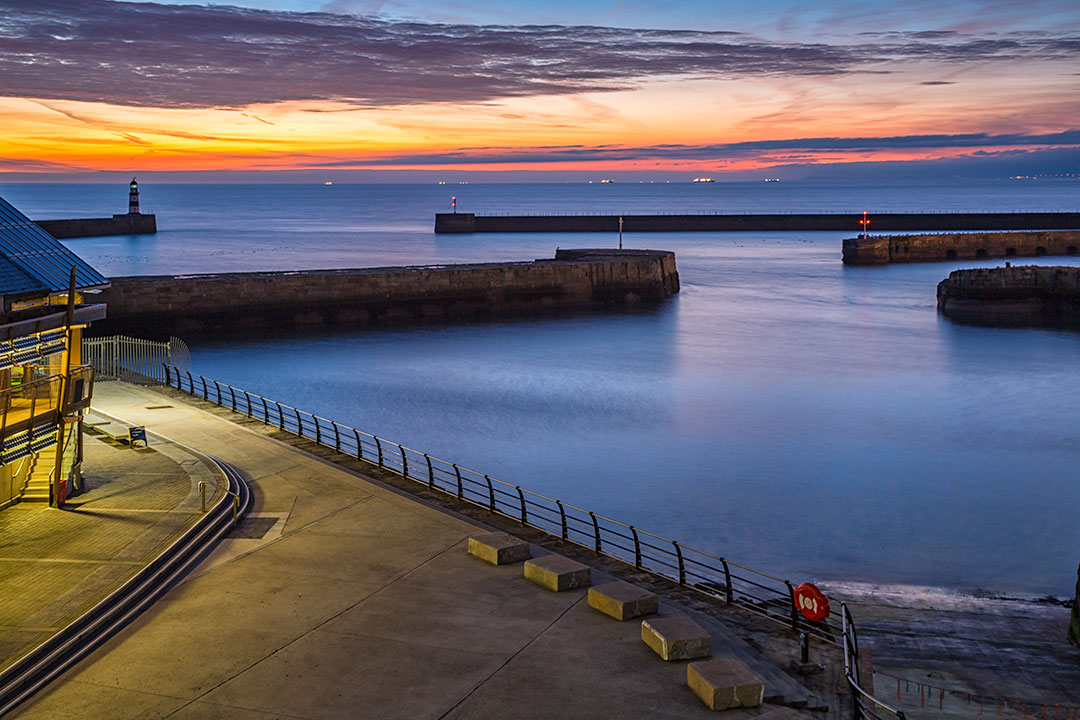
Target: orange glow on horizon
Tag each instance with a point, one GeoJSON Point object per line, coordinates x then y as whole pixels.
{"type": "Point", "coordinates": [624, 130]}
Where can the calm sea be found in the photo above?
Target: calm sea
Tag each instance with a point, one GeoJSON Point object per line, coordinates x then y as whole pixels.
{"type": "Point", "coordinates": [799, 416]}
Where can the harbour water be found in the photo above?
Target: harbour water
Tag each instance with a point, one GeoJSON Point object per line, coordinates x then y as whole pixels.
{"type": "Point", "coordinates": [802, 417]}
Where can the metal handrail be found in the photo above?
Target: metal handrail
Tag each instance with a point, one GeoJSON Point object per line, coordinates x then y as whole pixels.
{"type": "Point", "coordinates": [227, 491]}
{"type": "Point", "coordinates": [735, 584]}
{"type": "Point", "coordinates": [862, 702]}
{"type": "Point", "coordinates": [707, 573]}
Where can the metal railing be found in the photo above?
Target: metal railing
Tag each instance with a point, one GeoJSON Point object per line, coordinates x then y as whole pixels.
{"type": "Point", "coordinates": [119, 357]}
{"type": "Point", "coordinates": [863, 703]}
{"type": "Point", "coordinates": [713, 575]}
{"type": "Point", "coordinates": [30, 412]}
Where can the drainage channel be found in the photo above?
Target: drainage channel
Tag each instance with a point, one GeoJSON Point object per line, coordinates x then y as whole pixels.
{"type": "Point", "coordinates": [63, 650]}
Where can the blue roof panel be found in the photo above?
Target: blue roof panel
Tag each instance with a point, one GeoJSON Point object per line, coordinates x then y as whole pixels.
{"type": "Point", "coordinates": [14, 281]}
{"type": "Point", "coordinates": [39, 257]}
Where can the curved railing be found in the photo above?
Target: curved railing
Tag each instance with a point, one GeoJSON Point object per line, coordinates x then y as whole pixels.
{"type": "Point", "coordinates": [863, 703]}
{"type": "Point", "coordinates": [713, 575]}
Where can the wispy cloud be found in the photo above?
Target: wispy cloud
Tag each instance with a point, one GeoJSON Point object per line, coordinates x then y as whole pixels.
{"type": "Point", "coordinates": [146, 54]}
{"type": "Point", "coordinates": [775, 150]}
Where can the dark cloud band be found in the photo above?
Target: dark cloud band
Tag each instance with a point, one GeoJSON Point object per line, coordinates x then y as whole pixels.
{"type": "Point", "coordinates": [145, 54]}
{"type": "Point", "coordinates": [773, 149]}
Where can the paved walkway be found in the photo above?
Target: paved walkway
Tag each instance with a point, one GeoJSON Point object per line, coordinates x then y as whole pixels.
{"type": "Point", "coordinates": [56, 564]}
{"type": "Point", "coordinates": [341, 598]}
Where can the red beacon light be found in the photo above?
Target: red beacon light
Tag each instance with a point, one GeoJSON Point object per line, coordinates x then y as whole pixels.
{"type": "Point", "coordinates": [865, 222]}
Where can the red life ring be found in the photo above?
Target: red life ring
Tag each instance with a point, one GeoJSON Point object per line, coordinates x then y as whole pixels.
{"type": "Point", "coordinates": [811, 602]}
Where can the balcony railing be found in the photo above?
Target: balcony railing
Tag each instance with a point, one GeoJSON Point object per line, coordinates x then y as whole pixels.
{"type": "Point", "coordinates": [37, 403]}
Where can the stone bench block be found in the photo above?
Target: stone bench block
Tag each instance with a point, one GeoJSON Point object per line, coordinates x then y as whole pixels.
{"type": "Point", "coordinates": [622, 601]}
{"type": "Point", "coordinates": [676, 638]}
{"type": "Point", "coordinates": [725, 683]}
{"type": "Point", "coordinates": [499, 548]}
{"type": "Point", "coordinates": [558, 573]}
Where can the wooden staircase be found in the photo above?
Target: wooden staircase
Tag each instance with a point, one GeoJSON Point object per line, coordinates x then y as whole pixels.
{"type": "Point", "coordinates": [43, 465]}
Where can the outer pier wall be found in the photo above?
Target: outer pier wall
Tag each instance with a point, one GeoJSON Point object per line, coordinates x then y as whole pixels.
{"type": "Point", "coordinates": [157, 306]}
{"type": "Point", "coordinates": [127, 224]}
{"type": "Point", "coordinates": [1012, 296]}
{"type": "Point", "coordinates": [885, 222]}
{"type": "Point", "coordinates": [939, 247]}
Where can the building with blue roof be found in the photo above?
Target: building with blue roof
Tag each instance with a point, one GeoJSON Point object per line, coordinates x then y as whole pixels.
{"type": "Point", "coordinates": [44, 387]}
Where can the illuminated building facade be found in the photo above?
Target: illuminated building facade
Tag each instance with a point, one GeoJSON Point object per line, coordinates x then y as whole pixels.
{"type": "Point", "coordinates": [44, 388]}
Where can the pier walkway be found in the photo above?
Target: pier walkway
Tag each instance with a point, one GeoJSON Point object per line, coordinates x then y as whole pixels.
{"type": "Point", "coordinates": [56, 564]}
{"type": "Point", "coordinates": [340, 597]}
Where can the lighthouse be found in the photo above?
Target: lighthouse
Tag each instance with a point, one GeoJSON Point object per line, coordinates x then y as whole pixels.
{"type": "Point", "coordinates": [133, 198]}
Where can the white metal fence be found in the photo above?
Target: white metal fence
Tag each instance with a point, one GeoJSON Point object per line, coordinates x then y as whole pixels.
{"type": "Point", "coordinates": [119, 357]}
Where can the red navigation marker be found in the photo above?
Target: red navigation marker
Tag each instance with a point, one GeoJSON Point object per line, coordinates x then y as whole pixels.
{"type": "Point", "coordinates": [865, 222]}
{"type": "Point", "coordinates": [811, 602]}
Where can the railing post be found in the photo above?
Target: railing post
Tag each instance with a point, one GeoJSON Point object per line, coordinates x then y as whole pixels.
{"type": "Point", "coordinates": [266, 411]}
{"type": "Point", "coordinates": [280, 415]}
{"type": "Point", "coordinates": [247, 399]}
{"type": "Point", "coordinates": [729, 593]}
{"type": "Point", "coordinates": [232, 394]}
{"type": "Point", "coordinates": [596, 531]}
{"type": "Point", "coordinates": [637, 548]}
{"type": "Point", "coordinates": [191, 383]}
{"type": "Point", "coordinates": [299, 423]}
{"type": "Point", "coordinates": [460, 487]}
{"type": "Point", "coordinates": [430, 472]}
{"type": "Point", "coordinates": [404, 463]}
{"type": "Point", "coordinates": [491, 493]}
{"type": "Point", "coordinates": [337, 436]}
{"type": "Point", "coordinates": [521, 497]}
{"type": "Point", "coordinates": [217, 386]}
{"type": "Point", "coordinates": [359, 445]}
{"type": "Point", "coordinates": [682, 565]}
{"type": "Point", "coordinates": [562, 518]}
{"type": "Point", "coordinates": [794, 609]}
{"type": "Point", "coordinates": [378, 446]}
{"type": "Point", "coordinates": [318, 432]}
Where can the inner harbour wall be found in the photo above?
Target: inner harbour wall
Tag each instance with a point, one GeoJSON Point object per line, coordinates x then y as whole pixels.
{"type": "Point", "coordinates": [220, 304]}
{"type": "Point", "coordinates": [941, 247]}
{"type": "Point", "coordinates": [1012, 296]}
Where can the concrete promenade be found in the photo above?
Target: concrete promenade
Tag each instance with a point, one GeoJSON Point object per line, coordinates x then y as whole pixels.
{"type": "Point", "coordinates": [57, 564]}
{"type": "Point", "coordinates": [341, 598]}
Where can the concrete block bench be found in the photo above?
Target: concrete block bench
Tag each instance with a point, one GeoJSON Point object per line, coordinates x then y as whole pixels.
{"type": "Point", "coordinates": [114, 430]}
{"type": "Point", "coordinates": [558, 573]}
{"type": "Point", "coordinates": [676, 638]}
{"type": "Point", "coordinates": [622, 601]}
{"type": "Point", "coordinates": [725, 683]}
{"type": "Point", "coordinates": [499, 548]}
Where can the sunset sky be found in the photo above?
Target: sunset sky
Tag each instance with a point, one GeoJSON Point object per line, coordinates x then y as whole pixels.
{"type": "Point", "coordinates": [538, 89]}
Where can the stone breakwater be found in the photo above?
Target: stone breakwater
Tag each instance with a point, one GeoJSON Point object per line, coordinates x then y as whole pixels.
{"type": "Point", "coordinates": [219, 304]}
{"type": "Point", "coordinates": [1012, 296]}
{"type": "Point", "coordinates": [880, 222]}
{"type": "Point", "coordinates": [127, 224]}
{"type": "Point", "coordinates": [941, 247]}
